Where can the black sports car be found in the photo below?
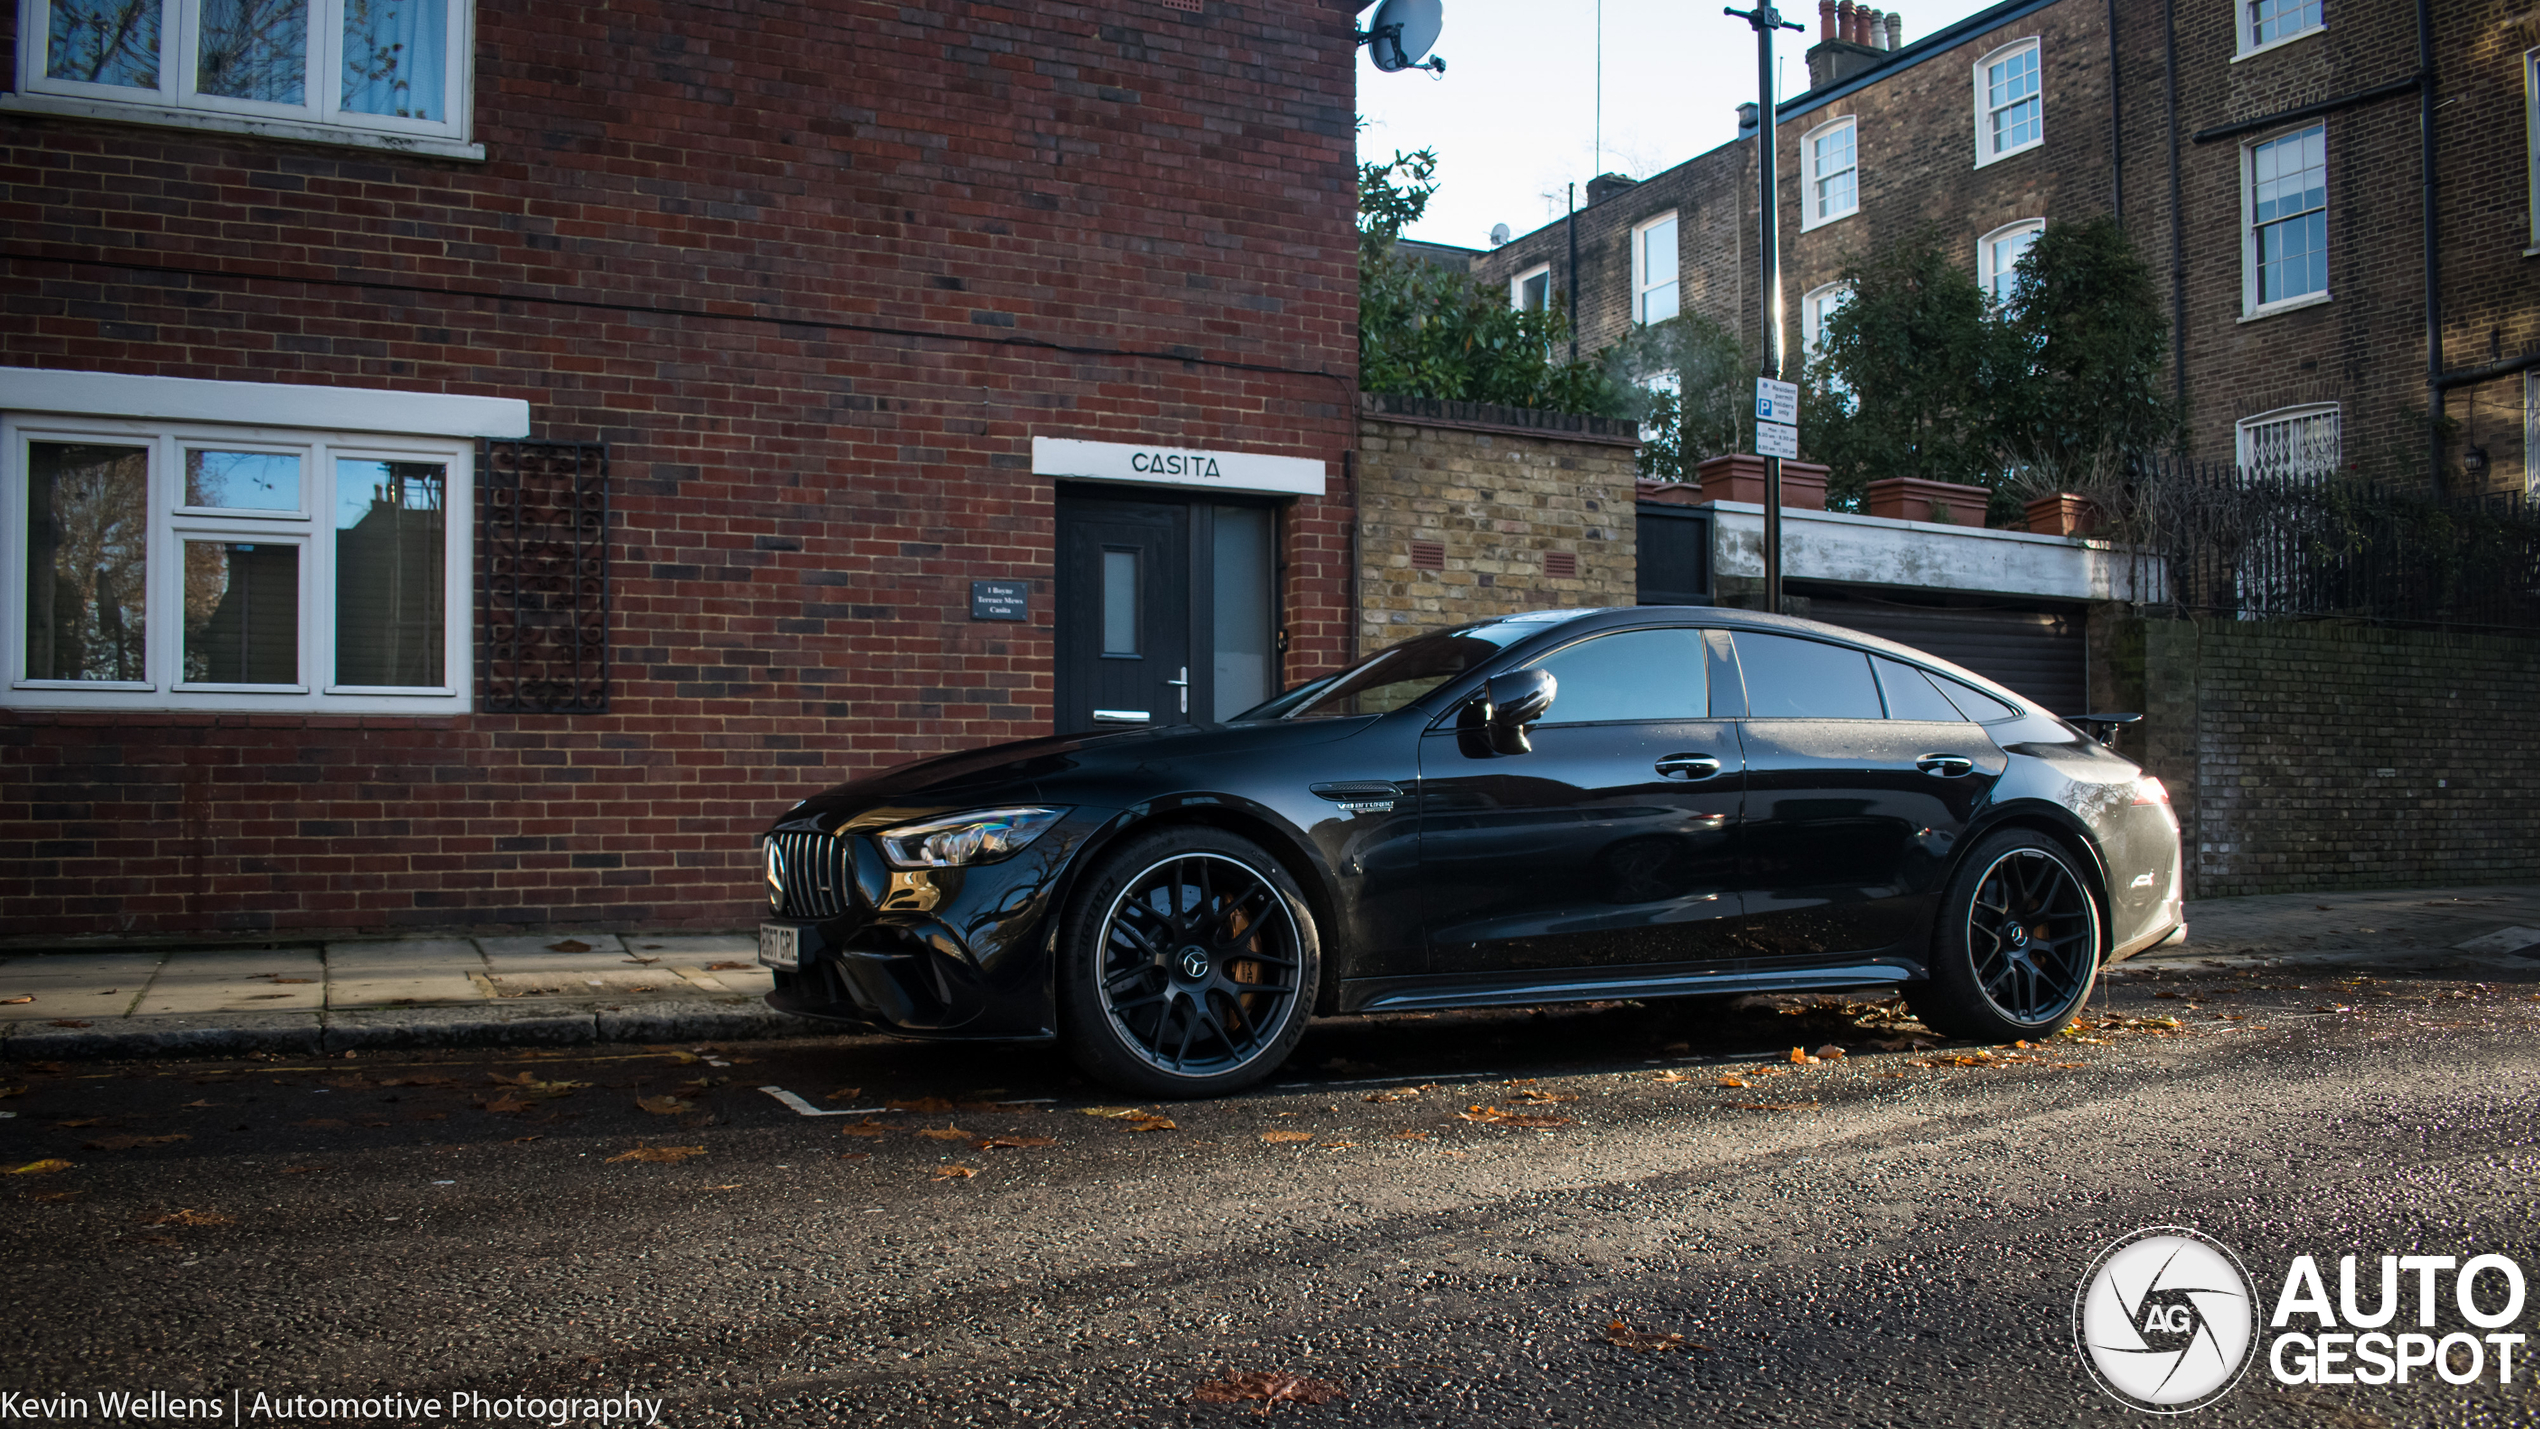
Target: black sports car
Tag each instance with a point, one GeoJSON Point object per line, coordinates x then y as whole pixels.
{"type": "Point", "coordinates": [1557, 806]}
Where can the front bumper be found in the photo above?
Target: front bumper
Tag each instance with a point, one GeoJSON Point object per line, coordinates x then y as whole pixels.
{"type": "Point", "coordinates": [948, 952]}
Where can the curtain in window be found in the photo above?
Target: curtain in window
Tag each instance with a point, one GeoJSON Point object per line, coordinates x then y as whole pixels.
{"type": "Point", "coordinates": [396, 57]}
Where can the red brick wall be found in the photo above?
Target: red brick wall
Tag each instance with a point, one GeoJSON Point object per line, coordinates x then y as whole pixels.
{"type": "Point", "coordinates": [817, 272]}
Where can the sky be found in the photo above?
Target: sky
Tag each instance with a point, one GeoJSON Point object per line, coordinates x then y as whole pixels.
{"type": "Point", "coordinates": [1514, 119]}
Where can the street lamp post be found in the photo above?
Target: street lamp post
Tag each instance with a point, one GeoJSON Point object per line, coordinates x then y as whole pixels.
{"type": "Point", "coordinates": [1764, 20]}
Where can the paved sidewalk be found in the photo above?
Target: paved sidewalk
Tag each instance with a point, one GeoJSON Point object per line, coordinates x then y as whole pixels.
{"type": "Point", "coordinates": [415, 992]}
{"type": "Point", "coordinates": [633, 987]}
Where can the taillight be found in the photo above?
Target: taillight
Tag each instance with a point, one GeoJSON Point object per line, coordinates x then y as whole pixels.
{"type": "Point", "coordinates": [2148, 790]}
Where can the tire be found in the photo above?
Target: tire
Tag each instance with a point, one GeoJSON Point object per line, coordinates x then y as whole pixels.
{"type": "Point", "coordinates": [1188, 964]}
{"type": "Point", "coordinates": [2017, 944]}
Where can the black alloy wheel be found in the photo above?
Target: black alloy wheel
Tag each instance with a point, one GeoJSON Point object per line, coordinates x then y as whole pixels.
{"type": "Point", "coordinates": [2018, 944]}
{"type": "Point", "coordinates": [1190, 965]}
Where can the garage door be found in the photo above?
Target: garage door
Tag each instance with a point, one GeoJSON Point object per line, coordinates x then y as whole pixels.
{"type": "Point", "coordinates": [2038, 653]}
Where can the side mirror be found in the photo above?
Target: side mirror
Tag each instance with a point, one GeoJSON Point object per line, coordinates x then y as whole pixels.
{"type": "Point", "coordinates": [2104, 727]}
{"type": "Point", "coordinates": [1511, 702]}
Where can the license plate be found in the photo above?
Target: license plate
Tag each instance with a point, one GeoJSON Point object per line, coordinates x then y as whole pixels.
{"type": "Point", "coordinates": [780, 945]}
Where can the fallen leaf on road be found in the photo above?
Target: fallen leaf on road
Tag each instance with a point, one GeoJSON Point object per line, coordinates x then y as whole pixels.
{"type": "Point", "coordinates": [1410, 1136]}
{"type": "Point", "coordinates": [1833, 1053]}
{"type": "Point", "coordinates": [68, 1022]}
{"type": "Point", "coordinates": [1671, 1074]}
{"type": "Point", "coordinates": [1151, 1123]}
{"type": "Point", "coordinates": [866, 1127]}
{"type": "Point", "coordinates": [729, 967]}
{"type": "Point", "coordinates": [2070, 1066]}
{"type": "Point", "coordinates": [659, 1153]}
{"type": "Point", "coordinates": [1618, 1333]}
{"type": "Point", "coordinates": [844, 1094]}
{"type": "Point", "coordinates": [1502, 1116]}
{"type": "Point", "coordinates": [1115, 1112]}
{"type": "Point", "coordinates": [954, 1173]}
{"type": "Point", "coordinates": [943, 1133]}
{"type": "Point", "coordinates": [1287, 1136]}
{"type": "Point", "coordinates": [1458, 1155]}
{"type": "Point", "coordinates": [56, 1195]}
{"type": "Point", "coordinates": [569, 945]}
{"type": "Point", "coordinates": [1335, 1145]}
{"type": "Point", "coordinates": [44, 1167]}
{"type": "Point", "coordinates": [1532, 1097]}
{"type": "Point", "coordinates": [995, 1143]}
{"type": "Point", "coordinates": [664, 1106]}
{"type": "Point", "coordinates": [1395, 1094]}
{"type": "Point", "coordinates": [1799, 1056]}
{"type": "Point", "coordinates": [77, 1122]}
{"type": "Point", "coordinates": [16, 1001]}
{"type": "Point", "coordinates": [1268, 1386]}
{"type": "Point", "coordinates": [1724, 1081]}
{"type": "Point", "coordinates": [126, 1143]}
{"type": "Point", "coordinates": [525, 1140]}
{"type": "Point", "coordinates": [504, 1105]}
{"type": "Point", "coordinates": [191, 1217]}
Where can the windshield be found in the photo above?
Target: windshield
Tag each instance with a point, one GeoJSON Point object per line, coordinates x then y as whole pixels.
{"type": "Point", "coordinates": [1391, 678]}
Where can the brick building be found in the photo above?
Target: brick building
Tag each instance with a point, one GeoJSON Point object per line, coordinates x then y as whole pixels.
{"type": "Point", "coordinates": [2264, 157]}
{"type": "Point", "coordinates": [468, 462]}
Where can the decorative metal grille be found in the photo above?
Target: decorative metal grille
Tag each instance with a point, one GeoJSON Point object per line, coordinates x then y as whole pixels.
{"type": "Point", "coordinates": [542, 562]}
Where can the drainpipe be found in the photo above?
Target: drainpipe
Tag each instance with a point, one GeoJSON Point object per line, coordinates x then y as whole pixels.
{"type": "Point", "coordinates": [2433, 292]}
{"type": "Point", "coordinates": [2178, 234]}
{"type": "Point", "coordinates": [1574, 272]}
{"type": "Point", "coordinates": [1357, 522]}
{"type": "Point", "coordinates": [2116, 128]}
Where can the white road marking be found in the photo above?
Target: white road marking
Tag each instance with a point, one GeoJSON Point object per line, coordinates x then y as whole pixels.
{"type": "Point", "coordinates": [804, 1108]}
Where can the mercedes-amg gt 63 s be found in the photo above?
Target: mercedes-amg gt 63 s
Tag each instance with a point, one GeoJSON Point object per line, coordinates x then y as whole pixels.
{"type": "Point", "coordinates": [1551, 807]}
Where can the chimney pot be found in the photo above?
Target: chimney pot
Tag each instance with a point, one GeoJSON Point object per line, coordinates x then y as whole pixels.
{"type": "Point", "coordinates": [1825, 20]}
{"type": "Point", "coordinates": [1895, 31]}
{"type": "Point", "coordinates": [1877, 27]}
{"type": "Point", "coordinates": [1847, 22]}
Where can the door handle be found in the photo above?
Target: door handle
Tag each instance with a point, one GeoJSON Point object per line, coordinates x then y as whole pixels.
{"type": "Point", "coordinates": [1945, 766]}
{"type": "Point", "coordinates": [1688, 766]}
{"type": "Point", "coordinates": [1182, 686]}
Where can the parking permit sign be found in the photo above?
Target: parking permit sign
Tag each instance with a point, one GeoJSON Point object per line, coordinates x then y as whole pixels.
{"type": "Point", "coordinates": [1776, 402]}
{"type": "Point", "coordinates": [1774, 439]}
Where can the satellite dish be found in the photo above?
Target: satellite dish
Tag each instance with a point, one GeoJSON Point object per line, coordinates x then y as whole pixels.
{"type": "Point", "coordinates": [1403, 31]}
{"type": "Point", "coordinates": [1498, 234]}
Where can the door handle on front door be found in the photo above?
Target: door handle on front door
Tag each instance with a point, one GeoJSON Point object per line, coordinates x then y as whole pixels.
{"type": "Point", "coordinates": [1945, 766]}
{"type": "Point", "coordinates": [1688, 766]}
{"type": "Point", "coordinates": [1182, 687]}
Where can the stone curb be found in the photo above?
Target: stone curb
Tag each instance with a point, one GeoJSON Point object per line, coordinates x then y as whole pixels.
{"type": "Point", "coordinates": [308, 1033]}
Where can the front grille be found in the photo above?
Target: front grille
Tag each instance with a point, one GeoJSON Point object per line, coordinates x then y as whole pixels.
{"type": "Point", "coordinates": [816, 873]}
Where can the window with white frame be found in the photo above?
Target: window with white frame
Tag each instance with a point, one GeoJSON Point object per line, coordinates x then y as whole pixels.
{"type": "Point", "coordinates": [2010, 110]}
{"type": "Point", "coordinates": [2264, 24]}
{"type": "Point", "coordinates": [370, 71]}
{"type": "Point", "coordinates": [2291, 441]}
{"type": "Point", "coordinates": [159, 563]}
{"type": "Point", "coordinates": [1998, 256]}
{"type": "Point", "coordinates": [1531, 291]}
{"type": "Point", "coordinates": [1654, 291]}
{"type": "Point", "coordinates": [1815, 309]}
{"type": "Point", "coordinates": [2284, 237]}
{"type": "Point", "coordinates": [1831, 153]}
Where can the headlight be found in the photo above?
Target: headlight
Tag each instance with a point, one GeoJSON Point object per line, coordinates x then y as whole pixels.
{"type": "Point", "coordinates": [956, 840]}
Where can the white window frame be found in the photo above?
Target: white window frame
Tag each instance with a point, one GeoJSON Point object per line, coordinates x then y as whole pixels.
{"type": "Point", "coordinates": [1809, 178]}
{"type": "Point", "coordinates": [1642, 286]}
{"type": "Point", "coordinates": [1985, 152]}
{"type": "Point", "coordinates": [164, 415]}
{"type": "Point", "coordinates": [1987, 276]}
{"type": "Point", "coordinates": [2531, 142]}
{"type": "Point", "coordinates": [2244, 26]}
{"type": "Point", "coordinates": [1813, 309]}
{"type": "Point", "coordinates": [322, 120]}
{"type": "Point", "coordinates": [2245, 430]}
{"type": "Point", "coordinates": [2250, 308]}
{"type": "Point", "coordinates": [1517, 287]}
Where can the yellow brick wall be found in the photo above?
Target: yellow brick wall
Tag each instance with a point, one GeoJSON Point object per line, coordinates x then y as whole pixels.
{"type": "Point", "coordinates": [1498, 501]}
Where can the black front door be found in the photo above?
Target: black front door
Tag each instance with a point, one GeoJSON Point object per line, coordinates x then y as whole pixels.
{"type": "Point", "coordinates": [1124, 614]}
{"type": "Point", "coordinates": [1613, 842]}
{"type": "Point", "coordinates": [1853, 803]}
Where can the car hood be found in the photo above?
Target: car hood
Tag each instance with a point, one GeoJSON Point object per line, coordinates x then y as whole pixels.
{"type": "Point", "coordinates": [1108, 770]}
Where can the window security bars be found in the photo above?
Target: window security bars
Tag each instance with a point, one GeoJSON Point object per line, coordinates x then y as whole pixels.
{"type": "Point", "coordinates": [543, 578]}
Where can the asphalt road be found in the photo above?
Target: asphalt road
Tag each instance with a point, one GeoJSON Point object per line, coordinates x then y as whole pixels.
{"type": "Point", "coordinates": [1887, 1238]}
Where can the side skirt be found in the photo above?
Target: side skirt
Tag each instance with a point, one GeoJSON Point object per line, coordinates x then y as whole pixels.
{"type": "Point", "coordinates": [1547, 985]}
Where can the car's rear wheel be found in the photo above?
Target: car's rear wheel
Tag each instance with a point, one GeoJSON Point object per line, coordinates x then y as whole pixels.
{"type": "Point", "coordinates": [1187, 965]}
{"type": "Point", "coordinates": [2017, 945]}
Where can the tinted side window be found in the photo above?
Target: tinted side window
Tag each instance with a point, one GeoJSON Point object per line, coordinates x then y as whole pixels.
{"type": "Point", "coordinates": [1788, 678]}
{"type": "Point", "coordinates": [1979, 706]}
{"type": "Point", "coordinates": [1629, 675]}
{"type": "Point", "coordinates": [1910, 694]}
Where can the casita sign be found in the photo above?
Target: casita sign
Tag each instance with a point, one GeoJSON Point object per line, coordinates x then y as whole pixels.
{"type": "Point", "coordinates": [1162, 465]}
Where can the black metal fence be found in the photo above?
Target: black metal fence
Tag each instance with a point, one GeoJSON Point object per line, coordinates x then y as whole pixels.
{"type": "Point", "coordinates": [2266, 546]}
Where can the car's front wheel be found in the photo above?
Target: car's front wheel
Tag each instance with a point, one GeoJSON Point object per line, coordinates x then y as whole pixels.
{"type": "Point", "coordinates": [2017, 945]}
{"type": "Point", "coordinates": [1188, 963]}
